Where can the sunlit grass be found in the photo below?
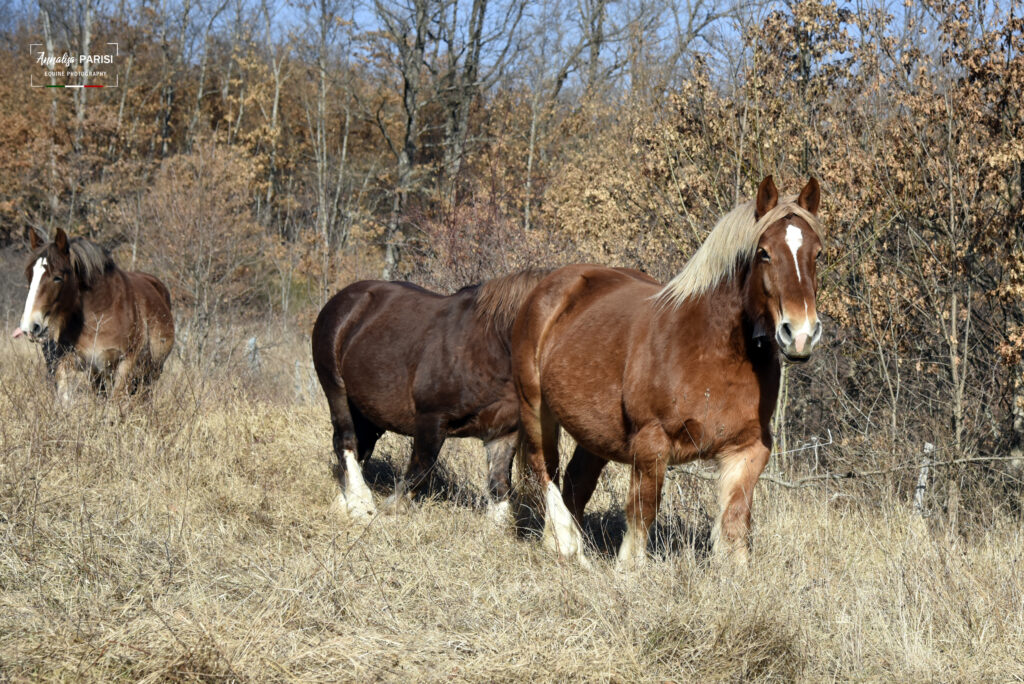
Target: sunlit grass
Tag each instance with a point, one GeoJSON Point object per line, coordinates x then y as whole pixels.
{"type": "Point", "coordinates": [190, 539]}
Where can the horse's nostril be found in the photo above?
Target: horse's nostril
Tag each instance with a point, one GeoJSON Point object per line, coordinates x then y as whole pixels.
{"type": "Point", "coordinates": [785, 333]}
{"type": "Point", "coordinates": [817, 331]}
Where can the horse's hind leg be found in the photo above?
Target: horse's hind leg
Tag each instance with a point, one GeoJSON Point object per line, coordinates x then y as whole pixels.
{"type": "Point", "coordinates": [737, 475]}
{"type": "Point", "coordinates": [367, 434]}
{"type": "Point", "coordinates": [354, 500]}
{"type": "Point", "coordinates": [426, 445]}
{"type": "Point", "coordinates": [581, 476]}
{"type": "Point", "coordinates": [499, 476]}
{"type": "Point", "coordinates": [540, 451]}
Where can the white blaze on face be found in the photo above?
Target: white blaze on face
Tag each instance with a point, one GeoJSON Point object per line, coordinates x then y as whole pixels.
{"type": "Point", "coordinates": [795, 238]}
{"type": "Point", "coordinates": [33, 289]}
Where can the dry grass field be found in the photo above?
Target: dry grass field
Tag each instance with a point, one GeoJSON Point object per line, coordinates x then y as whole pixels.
{"type": "Point", "coordinates": [191, 540]}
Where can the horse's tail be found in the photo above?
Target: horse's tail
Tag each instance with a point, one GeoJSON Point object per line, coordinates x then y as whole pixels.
{"type": "Point", "coordinates": [331, 325]}
{"type": "Point", "coordinates": [498, 301]}
{"type": "Point", "coordinates": [324, 340]}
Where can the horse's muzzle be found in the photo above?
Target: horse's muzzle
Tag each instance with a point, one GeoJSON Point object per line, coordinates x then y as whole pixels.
{"type": "Point", "coordinates": [34, 333]}
{"type": "Point", "coordinates": [797, 346]}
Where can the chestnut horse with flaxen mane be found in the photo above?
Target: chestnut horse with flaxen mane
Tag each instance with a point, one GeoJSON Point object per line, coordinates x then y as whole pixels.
{"type": "Point", "coordinates": [91, 315]}
{"type": "Point", "coordinates": [654, 376]}
{"type": "Point", "coordinates": [394, 356]}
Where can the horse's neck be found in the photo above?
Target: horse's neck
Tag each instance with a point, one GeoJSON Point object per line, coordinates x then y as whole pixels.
{"type": "Point", "coordinates": [724, 319]}
{"type": "Point", "coordinates": [718, 311]}
{"type": "Point", "coordinates": [98, 296]}
{"type": "Point", "coordinates": [91, 306]}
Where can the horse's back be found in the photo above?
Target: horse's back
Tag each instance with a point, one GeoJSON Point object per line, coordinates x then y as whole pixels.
{"type": "Point", "coordinates": [582, 294]}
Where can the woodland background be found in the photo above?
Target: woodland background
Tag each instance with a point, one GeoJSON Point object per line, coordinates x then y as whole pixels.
{"type": "Point", "coordinates": [261, 154]}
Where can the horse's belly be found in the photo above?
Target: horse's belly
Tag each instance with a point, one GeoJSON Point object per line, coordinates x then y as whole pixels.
{"type": "Point", "coordinates": [591, 420]}
{"type": "Point", "coordinates": [490, 420]}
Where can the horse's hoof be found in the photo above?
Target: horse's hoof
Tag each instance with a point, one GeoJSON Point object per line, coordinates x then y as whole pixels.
{"type": "Point", "coordinates": [736, 556]}
{"type": "Point", "coordinates": [398, 503]}
{"type": "Point", "coordinates": [630, 563]}
{"type": "Point", "coordinates": [352, 509]}
{"type": "Point", "coordinates": [500, 513]}
{"type": "Point", "coordinates": [354, 502]}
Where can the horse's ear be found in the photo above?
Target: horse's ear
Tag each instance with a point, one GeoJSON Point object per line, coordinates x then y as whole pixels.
{"type": "Point", "coordinates": [60, 241]}
{"type": "Point", "coordinates": [33, 239]}
{"type": "Point", "coordinates": [767, 197]}
{"type": "Point", "coordinates": [810, 196]}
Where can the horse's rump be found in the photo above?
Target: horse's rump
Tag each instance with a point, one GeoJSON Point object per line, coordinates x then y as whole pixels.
{"type": "Point", "coordinates": [153, 304]}
{"type": "Point", "coordinates": [585, 312]}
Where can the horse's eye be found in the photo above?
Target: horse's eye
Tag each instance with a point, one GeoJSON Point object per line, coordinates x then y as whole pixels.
{"type": "Point", "coordinates": [58, 279]}
{"type": "Point", "coordinates": [764, 256]}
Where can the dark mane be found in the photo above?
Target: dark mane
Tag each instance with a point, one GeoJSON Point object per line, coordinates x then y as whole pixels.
{"type": "Point", "coordinates": [499, 300]}
{"type": "Point", "coordinates": [89, 260]}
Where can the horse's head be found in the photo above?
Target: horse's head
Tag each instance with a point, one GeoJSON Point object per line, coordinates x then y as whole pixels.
{"type": "Point", "coordinates": [52, 286]}
{"type": "Point", "coordinates": [784, 274]}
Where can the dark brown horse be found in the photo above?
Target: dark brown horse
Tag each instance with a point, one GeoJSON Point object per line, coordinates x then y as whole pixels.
{"type": "Point", "coordinates": [394, 356]}
{"type": "Point", "coordinates": [654, 376]}
{"type": "Point", "coordinates": [90, 315]}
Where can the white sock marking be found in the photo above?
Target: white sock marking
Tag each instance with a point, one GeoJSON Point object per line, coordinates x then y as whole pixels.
{"type": "Point", "coordinates": [633, 551]}
{"type": "Point", "coordinates": [795, 238]}
{"type": "Point", "coordinates": [561, 533]}
{"type": "Point", "coordinates": [356, 501]}
{"type": "Point", "coordinates": [500, 513]}
{"type": "Point", "coordinates": [33, 289]}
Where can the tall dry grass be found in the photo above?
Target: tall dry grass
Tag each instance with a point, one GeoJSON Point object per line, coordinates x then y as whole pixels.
{"type": "Point", "coordinates": [190, 540]}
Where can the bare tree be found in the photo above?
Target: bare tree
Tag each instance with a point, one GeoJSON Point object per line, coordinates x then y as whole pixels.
{"type": "Point", "coordinates": [405, 32]}
{"type": "Point", "coordinates": [464, 72]}
{"type": "Point", "coordinates": [326, 20]}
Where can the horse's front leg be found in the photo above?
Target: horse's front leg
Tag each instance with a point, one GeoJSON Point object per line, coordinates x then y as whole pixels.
{"type": "Point", "coordinates": [500, 452]}
{"type": "Point", "coordinates": [645, 484]}
{"type": "Point", "coordinates": [124, 379]}
{"type": "Point", "coordinates": [63, 374]}
{"type": "Point", "coordinates": [737, 474]}
{"type": "Point", "coordinates": [426, 445]}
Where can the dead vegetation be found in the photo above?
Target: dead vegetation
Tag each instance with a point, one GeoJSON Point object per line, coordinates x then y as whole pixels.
{"type": "Point", "coordinates": [190, 541]}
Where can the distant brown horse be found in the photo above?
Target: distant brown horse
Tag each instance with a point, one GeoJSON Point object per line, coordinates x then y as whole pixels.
{"type": "Point", "coordinates": [653, 377]}
{"type": "Point", "coordinates": [394, 356]}
{"type": "Point", "coordinates": [91, 315]}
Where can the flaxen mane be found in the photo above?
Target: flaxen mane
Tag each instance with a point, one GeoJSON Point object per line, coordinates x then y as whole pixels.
{"type": "Point", "coordinates": [731, 242]}
{"type": "Point", "coordinates": [499, 300]}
